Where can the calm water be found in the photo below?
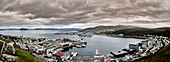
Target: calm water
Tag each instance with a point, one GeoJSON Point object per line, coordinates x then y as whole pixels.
{"type": "Point", "coordinates": [105, 44]}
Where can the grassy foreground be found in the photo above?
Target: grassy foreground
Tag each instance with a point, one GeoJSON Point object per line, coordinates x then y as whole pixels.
{"type": "Point", "coordinates": [25, 56]}
{"type": "Point", "coordinates": [163, 55]}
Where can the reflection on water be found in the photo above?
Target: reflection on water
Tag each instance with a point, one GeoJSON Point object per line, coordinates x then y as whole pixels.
{"type": "Point", "coordinates": [105, 44]}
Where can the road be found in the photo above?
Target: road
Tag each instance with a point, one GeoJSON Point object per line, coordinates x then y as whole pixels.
{"type": "Point", "coordinates": [2, 46]}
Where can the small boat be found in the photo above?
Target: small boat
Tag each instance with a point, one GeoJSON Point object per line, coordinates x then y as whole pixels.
{"type": "Point", "coordinates": [83, 42]}
{"type": "Point", "coordinates": [74, 53]}
{"type": "Point", "coordinates": [79, 46]}
{"type": "Point", "coordinates": [83, 45]}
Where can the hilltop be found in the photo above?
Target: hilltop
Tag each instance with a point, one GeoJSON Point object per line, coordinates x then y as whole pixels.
{"type": "Point", "coordinates": [66, 29]}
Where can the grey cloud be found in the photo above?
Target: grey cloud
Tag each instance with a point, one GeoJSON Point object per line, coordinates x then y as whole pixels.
{"type": "Point", "coordinates": [84, 11]}
{"type": "Point", "coordinates": [150, 21]}
{"type": "Point", "coordinates": [64, 22]}
{"type": "Point", "coordinates": [13, 22]}
{"type": "Point", "coordinates": [56, 8]}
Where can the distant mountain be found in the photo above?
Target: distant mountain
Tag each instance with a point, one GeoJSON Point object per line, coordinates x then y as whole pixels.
{"type": "Point", "coordinates": [68, 29]}
{"type": "Point", "coordinates": [106, 28]}
{"type": "Point", "coordinates": [23, 29]}
{"type": "Point", "coordinates": [10, 29]}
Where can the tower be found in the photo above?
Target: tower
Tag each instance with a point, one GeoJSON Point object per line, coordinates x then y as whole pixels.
{"type": "Point", "coordinates": [97, 52]}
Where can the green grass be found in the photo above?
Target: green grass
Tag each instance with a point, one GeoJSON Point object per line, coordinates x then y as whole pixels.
{"type": "Point", "coordinates": [163, 55]}
{"type": "Point", "coordinates": [25, 56]}
{"type": "Point", "coordinates": [1, 44]}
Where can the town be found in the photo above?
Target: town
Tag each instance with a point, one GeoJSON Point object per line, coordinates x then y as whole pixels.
{"type": "Point", "coordinates": [51, 50]}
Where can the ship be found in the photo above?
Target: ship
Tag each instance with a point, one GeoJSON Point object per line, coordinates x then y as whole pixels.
{"type": "Point", "coordinates": [85, 34]}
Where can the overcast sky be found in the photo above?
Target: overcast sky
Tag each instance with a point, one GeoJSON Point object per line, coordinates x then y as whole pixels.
{"type": "Point", "coordinates": [83, 13]}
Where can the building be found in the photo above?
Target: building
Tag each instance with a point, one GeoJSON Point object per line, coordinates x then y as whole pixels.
{"type": "Point", "coordinates": [133, 46]}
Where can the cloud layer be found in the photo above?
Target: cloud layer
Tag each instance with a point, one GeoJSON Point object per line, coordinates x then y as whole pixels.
{"type": "Point", "coordinates": [81, 13]}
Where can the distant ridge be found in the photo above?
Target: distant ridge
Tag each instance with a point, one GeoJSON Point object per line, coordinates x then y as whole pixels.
{"type": "Point", "coordinates": [107, 28]}
{"type": "Point", "coordinates": [69, 29]}
{"type": "Point", "coordinates": [57, 29]}
{"type": "Point", "coordinates": [23, 29]}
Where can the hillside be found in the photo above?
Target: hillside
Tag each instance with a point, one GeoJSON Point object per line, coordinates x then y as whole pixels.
{"type": "Point", "coordinates": [23, 55]}
{"type": "Point", "coordinates": [163, 55]}
{"type": "Point", "coordinates": [142, 31]}
{"type": "Point", "coordinates": [106, 28]}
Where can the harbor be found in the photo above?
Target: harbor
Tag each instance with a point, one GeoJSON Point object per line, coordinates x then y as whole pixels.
{"type": "Point", "coordinates": [99, 42]}
{"type": "Point", "coordinates": [52, 49]}
{"type": "Point", "coordinates": [43, 48]}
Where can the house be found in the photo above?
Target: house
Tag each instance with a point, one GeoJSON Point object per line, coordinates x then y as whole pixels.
{"type": "Point", "coordinates": [34, 45]}
{"type": "Point", "coordinates": [10, 48]}
{"type": "Point", "coordinates": [65, 56]}
{"type": "Point", "coordinates": [58, 54]}
{"type": "Point", "coordinates": [9, 58]}
{"type": "Point", "coordinates": [39, 48]}
{"type": "Point", "coordinates": [144, 44]}
{"type": "Point", "coordinates": [62, 44]}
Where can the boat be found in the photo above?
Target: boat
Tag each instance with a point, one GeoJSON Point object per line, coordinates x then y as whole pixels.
{"type": "Point", "coordinates": [85, 34]}
{"type": "Point", "coordinates": [60, 49]}
{"type": "Point", "coordinates": [74, 53]}
{"type": "Point", "coordinates": [83, 45]}
{"type": "Point", "coordinates": [78, 46]}
{"type": "Point", "coordinates": [66, 56]}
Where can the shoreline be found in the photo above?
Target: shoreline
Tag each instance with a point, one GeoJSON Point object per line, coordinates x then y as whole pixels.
{"type": "Point", "coordinates": [112, 35]}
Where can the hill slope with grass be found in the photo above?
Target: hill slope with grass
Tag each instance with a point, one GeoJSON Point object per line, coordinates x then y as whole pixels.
{"type": "Point", "coordinates": [142, 31]}
{"type": "Point", "coordinates": [23, 55]}
{"type": "Point", "coordinates": [106, 28]}
{"type": "Point", "coordinates": [163, 55]}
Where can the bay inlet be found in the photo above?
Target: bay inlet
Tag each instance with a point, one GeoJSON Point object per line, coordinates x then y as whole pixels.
{"type": "Point", "coordinates": [104, 44]}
